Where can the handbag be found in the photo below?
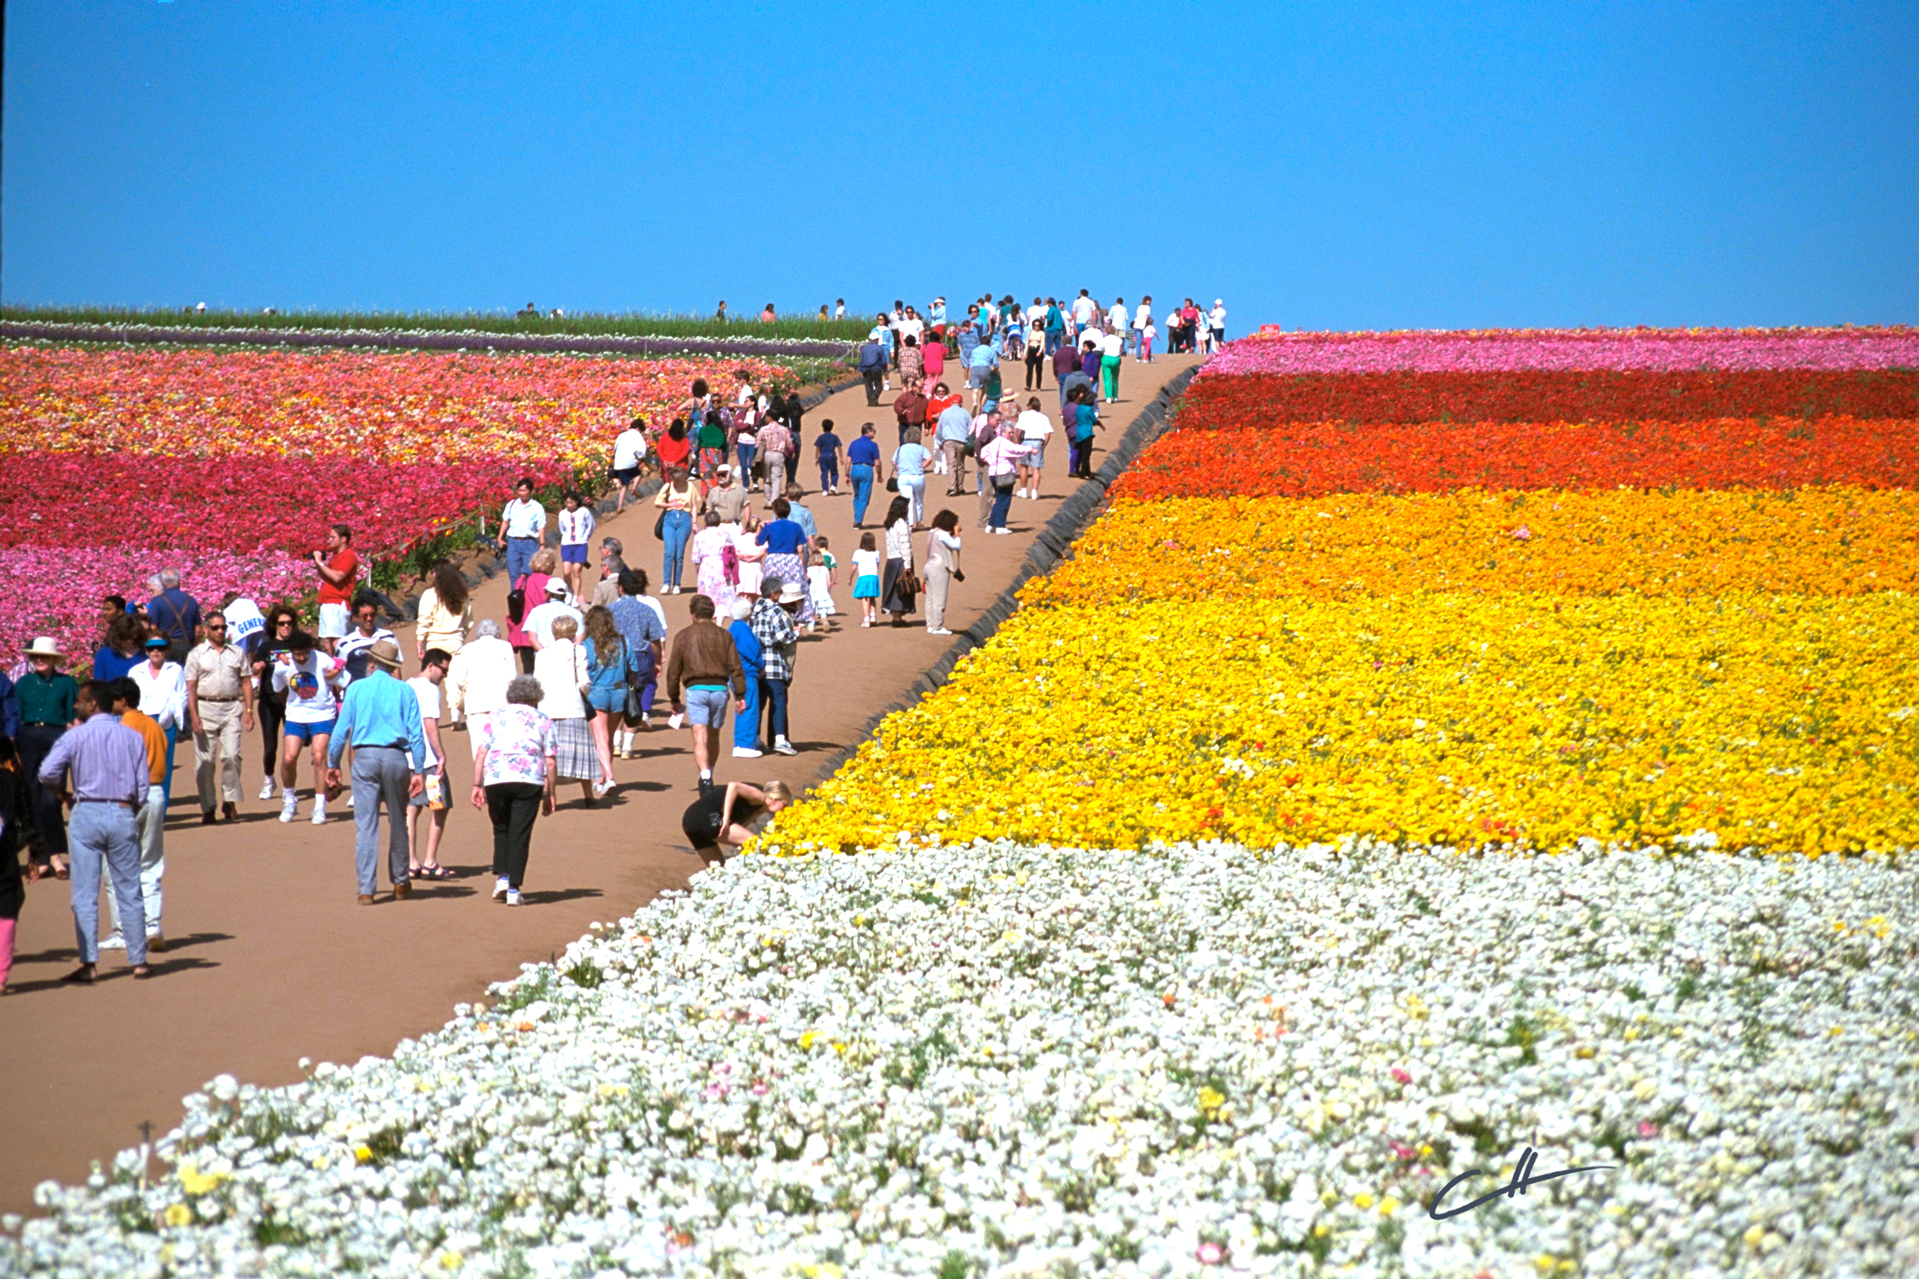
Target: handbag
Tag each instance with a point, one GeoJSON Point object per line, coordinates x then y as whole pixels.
{"type": "Point", "coordinates": [659, 527]}
{"type": "Point", "coordinates": [892, 484]}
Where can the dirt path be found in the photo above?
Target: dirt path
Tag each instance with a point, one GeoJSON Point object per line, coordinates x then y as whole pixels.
{"type": "Point", "coordinates": [271, 960]}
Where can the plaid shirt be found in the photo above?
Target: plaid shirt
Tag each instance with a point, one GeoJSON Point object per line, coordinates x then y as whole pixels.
{"type": "Point", "coordinates": [775, 631]}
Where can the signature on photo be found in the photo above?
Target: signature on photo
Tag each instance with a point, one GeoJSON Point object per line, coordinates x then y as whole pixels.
{"type": "Point", "coordinates": [1523, 1178]}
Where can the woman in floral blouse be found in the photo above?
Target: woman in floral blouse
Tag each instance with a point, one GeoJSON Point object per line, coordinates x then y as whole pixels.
{"type": "Point", "coordinates": [514, 776]}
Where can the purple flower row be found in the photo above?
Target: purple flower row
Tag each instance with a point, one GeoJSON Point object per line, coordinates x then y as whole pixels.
{"type": "Point", "coordinates": [424, 340]}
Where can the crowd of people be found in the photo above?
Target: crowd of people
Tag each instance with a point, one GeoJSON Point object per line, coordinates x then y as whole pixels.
{"type": "Point", "coordinates": [567, 681]}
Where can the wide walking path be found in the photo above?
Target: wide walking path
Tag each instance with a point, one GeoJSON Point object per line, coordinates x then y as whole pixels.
{"type": "Point", "coordinates": [270, 958]}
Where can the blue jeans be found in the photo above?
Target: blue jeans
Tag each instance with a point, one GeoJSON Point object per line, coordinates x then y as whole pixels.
{"type": "Point", "coordinates": [773, 696]}
{"type": "Point", "coordinates": [829, 475]}
{"type": "Point", "coordinates": [519, 556]}
{"type": "Point", "coordinates": [862, 491]}
{"type": "Point", "coordinates": [678, 531]}
{"type": "Point", "coordinates": [745, 453]}
{"type": "Point", "coordinates": [1002, 500]}
{"type": "Point", "coordinates": [1053, 340]}
{"type": "Point", "coordinates": [746, 726]}
{"type": "Point", "coordinates": [380, 773]}
{"type": "Point", "coordinates": [166, 782]}
{"type": "Point", "coordinates": [107, 833]}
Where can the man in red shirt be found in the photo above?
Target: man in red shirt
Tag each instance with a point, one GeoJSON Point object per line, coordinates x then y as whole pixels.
{"type": "Point", "coordinates": [338, 566]}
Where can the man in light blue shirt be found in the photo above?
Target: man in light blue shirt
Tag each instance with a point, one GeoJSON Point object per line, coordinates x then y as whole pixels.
{"type": "Point", "coordinates": [380, 716]}
{"type": "Point", "coordinates": [951, 433]}
{"type": "Point", "coordinates": [799, 514]}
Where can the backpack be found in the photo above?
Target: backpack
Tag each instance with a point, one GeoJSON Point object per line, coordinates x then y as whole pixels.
{"type": "Point", "coordinates": [516, 604]}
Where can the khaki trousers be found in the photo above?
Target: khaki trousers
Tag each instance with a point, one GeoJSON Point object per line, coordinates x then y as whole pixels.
{"type": "Point", "coordinates": [218, 748]}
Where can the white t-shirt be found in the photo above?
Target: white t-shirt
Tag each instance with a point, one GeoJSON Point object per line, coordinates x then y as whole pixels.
{"type": "Point", "coordinates": [525, 518]}
{"type": "Point", "coordinates": [1116, 318]}
{"type": "Point", "coordinates": [1216, 318]}
{"type": "Point", "coordinates": [539, 622]}
{"type": "Point", "coordinates": [576, 527]}
{"type": "Point", "coordinates": [912, 326]}
{"type": "Point", "coordinates": [429, 694]}
{"type": "Point", "coordinates": [1083, 309]}
{"type": "Point", "coordinates": [1143, 316]}
{"type": "Point", "coordinates": [866, 563]}
{"type": "Point", "coordinates": [1115, 345]}
{"type": "Point", "coordinates": [1036, 314]}
{"type": "Point", "coordinates": [243, 621]}
{"type": "Point", "coordinates": [309, 686]}
{"type": "Point", "coordinates": [659, 610]}
{"type": "Point", "coordinates": [629, 447]}
{"type": "Point", "coordinates": [1033, 426]}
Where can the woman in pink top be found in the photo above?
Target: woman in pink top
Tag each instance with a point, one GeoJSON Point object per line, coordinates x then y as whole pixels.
{"type": "Point", "coordinates": [532, 590]}
{"type": "Point", "coordinates": [933, 358]}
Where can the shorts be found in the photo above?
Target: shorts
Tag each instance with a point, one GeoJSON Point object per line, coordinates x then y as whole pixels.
{"type": "Point", "coordinates": [1036, 455]}
{"type": "Point", "coordinates": [706, 705]}
{"type": "Point", "coordinates": [866, 587]}
{"type": "Point", "coordinates": [626, 474]}
{"type": "Point", "coordinates": [608, 701]}
{"type": "Point", "coordinates": [977, 377]}
{"type": "Point", "coordinates": [333, 621]}
{"type": "Point", "coordinates": [571, 553]}
{"type": "Point", "coordinates": [307, 732]}
{"type": "Point", "coordinates": [421, 800]}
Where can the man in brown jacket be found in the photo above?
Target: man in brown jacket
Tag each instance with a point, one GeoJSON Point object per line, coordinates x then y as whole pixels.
{"type": "Point", "coordinates": [706, 663]}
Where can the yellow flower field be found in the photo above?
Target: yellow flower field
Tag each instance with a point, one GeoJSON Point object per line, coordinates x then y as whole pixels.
{"type": "Point", "coordinates": [1819, 541]}
{"type": "Point", "coordinates": [1774, 720]}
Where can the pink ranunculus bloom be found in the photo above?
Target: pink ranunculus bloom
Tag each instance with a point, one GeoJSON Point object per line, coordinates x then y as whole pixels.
{"type": "Point", "coordinates": [1647, 1128]}
{"type": "Point", "coordinates": [1402, 1151]}
{"type": "Point", "coordinates": [1211, 1254]}
{"type": "Point", "coordinates": [1400, 1076]}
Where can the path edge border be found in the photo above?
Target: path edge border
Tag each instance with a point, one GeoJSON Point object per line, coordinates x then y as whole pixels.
{"type": "Point", "coordinates": [1053, 543]}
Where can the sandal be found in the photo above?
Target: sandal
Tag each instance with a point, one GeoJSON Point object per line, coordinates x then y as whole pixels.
{"type": "Point", "coordinates": [81, 976]}
{"type": "Point", "coordinates": [433, 872]}
{"type": "Point", "coordinates": [141, 972]}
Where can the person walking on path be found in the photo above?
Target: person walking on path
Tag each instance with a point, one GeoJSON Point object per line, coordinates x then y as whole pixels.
{"type": "Point", "coordinates": [787, 547]}
{"type": "Point", "coordinates": [866, 580]}
{"type": "Point", "coordinates": [220, 709]}
{"type": "Point", "coordinates": [909, 410]}
{"type": "Point", "coordinates": [106, 765]}
{"type": "Point", "coordinates": [533, 593]}
{"type": "Point", "coordinates": [746, 724]}
{"type": "Point", "coordinates": [45, 697]}
{"type": "Point", "coordinates": [446, 615]}
{"type": "Point", "coordinates": [981, 367]}
{"type": "Point", "coordinates": [174, 614]}
{"type": "Point", "coordinates": [120, 652]}
{"type": "Point", "coordinates": [644, 631]}
{"type": "Point", "coordinates": [163, 695]}
{"type": "Point", "coordinates": [1084, 419]}
{"type": "Point", "coordinates": [434, 801]}
{"type": "Point", "coordinates": [309, 681]}
{"type": "Point", "coordinates": [779, 639]}
{"type": "Point", "coordinates": [1216, 325]}
{"type": "Point", "coordinates": [898, 589]}
{"type": "Point", "coordinates": [612, 564]}
{"type": "Point", "coordinates": [932, 358]}
{"type": "Point", "coordinates": [910, 461]}
{"type": "Point", "coordinates": [339, 568]}
{"type": "Point", "coordinates": [1035, 357]}
{"type": "Point", "coordinates": [576, 539]}
{"type": "Point", "coordinates": [710, 439]}
{"type": "Point", "coordinates": [727, 817]}
{"type": "Point", "coordinates": [826, 449]}
{"type": "Point", "coordinates": [750, 555]}
{"type": "Point", "coordinates": [1000, 460]}
{"type": "Point", "coordinates": [280, 626]}
{"type": "Point", "coordinates": [862, 463]}
{"type": "Point", "coordinates": [942, 567]}
{"type": "Point", "coordinates": [872, 368]}
{"type": "Point", "coordinates": [522, 525]}
{"type": "Point", "coordinates": [477, 677]}
{"type": "Point", "coordinates": [514, 780]}
{"type": "Point", "coordinates": [629, 456]}
{"type": "Point", "coordinates": [1034, 429]}
{"type": "Point", "coordinates": [561, 670]}
{"type": "Point", "coordinates": [150, 825]}
{"type": "Point", "coordinates": [675, 449]}
{"type": "Point", "coordinates": [912, 362]}
{"type": "Point", "coordinates": [716, 564]}
{"type": "Point", "coordinates": [953, 433]}
{"type": "Point", "coordinates": [380, 719]}
{"type": "Point", "coordinates": [1113, 347]}
{"type": "Point", "coordinates": [728, 499]}
{"type": "Point", "coordinates": [776, 450]}
{"type": "Point", "coordinates": [366, 632]}
{"type": "Point", "coordinates": [701, 668]}
{"type": "Point", "coordinates": [607, 664]}
{"type": "Point", "coordinates": [15, 821]}
{"type": "Point", "coordinates": [680, 500]}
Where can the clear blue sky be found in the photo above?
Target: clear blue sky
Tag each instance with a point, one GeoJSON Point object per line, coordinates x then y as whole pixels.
{"type": "Point", "coordinates": [1342, 165]}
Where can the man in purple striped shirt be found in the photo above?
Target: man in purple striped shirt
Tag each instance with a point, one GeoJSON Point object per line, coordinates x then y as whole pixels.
{"type": "Point", "coordinates": [107, 762]}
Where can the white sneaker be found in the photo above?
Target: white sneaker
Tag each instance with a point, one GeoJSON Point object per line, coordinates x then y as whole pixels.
{"type": "Point", "coordinates": [115, 942]}
{"type": "Point", "coordinates": [939, 630]}
{"type": "Point", "coordinates": [513, 897]}
{"type": "Point", "coordinates": [289, 807]}
{"type": "Point", "coordinates": [675, 720]}
{"type": "Point", "coordinates": [647, 719]}
{"type": "Point", "coordinates": [266, 790]}
{"type": "Point", "coordinates": [501, 888]}
{"type": "Point", "coordinates": [783, 747]}
{"type": "Point", "coordinates": [319, 812]}
{"type": "Point", "coordinates": [602, 787]}
{"type": "Point", "coordinates": [1003, 531]}
{"type": "Point", "coordinates": [746, 752]}
{"type": "Point", "coordinates": [349, 799]}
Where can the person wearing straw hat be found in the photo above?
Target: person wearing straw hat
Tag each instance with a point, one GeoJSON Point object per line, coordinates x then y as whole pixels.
{"type": "Point", "coordinates": [45, 696]}
{"type": "Point", "coordinates": [380, 719]}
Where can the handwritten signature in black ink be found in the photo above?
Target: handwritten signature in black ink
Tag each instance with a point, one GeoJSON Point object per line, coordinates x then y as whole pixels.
{"type": "Point", "coordinates": [1523, 1178]}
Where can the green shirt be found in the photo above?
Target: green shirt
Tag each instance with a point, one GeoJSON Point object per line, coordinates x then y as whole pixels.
{"type": "Point", "coordinates": [712, 437]}
{"type": "Point", "coordinates": [46, 699]}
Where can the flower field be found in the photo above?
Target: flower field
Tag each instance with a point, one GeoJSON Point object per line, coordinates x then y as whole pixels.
{"type": "Point", "coordinates": [229, 466]}
{"type": "Point", "coordinates": [1528, 632]}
